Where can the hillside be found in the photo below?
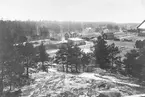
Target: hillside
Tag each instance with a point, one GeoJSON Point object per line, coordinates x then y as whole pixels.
{"type": "Point", "coordinates": [58, 84]}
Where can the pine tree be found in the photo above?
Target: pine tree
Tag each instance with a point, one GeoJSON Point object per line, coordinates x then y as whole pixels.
{"type": "Point", "coordinates": [42, 52]}
{"type": "Point", "coordinates": [69, 55]}
{"type": "Point", "coordinates": [113, 55]}
{"type": "Point", "coordinates": [27, 52]}
{"type": "Point", "coordinates": [43, 56]}
{"type": "Point", "coordinates": [74, 56]}
{"type": "Point", "coordinates": [61, 57]}
{"type": "Point", "coordinates": [101, 53]}
{"type": "Point", "coordinates": [14, 70]}
{"type": "Point", "coordinates": [85, 60]}
{"type": "Point", "coordinates": [131, 63]}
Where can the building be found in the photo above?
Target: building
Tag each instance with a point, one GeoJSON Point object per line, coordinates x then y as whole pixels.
{"type": "Point", "coordinates": [89, 33]}
{"type": "Point", "coordinates": [66, 35]}
{"type": "Point", "coordinates": [76, 41]}
{"type": "Point", "coordinates": [70, 35]}
{"type": "Point", "coordinates": [141, 29]}
{"type": "Point", "coordinates": [108, 34]}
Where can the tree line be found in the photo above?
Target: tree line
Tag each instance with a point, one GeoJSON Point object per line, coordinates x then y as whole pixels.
{"type": "Point", "coordinates": [45, 28]}
{"type": "Point", "coordinates": [71, 56]}
{"type": "Point", "coordinates": [17, 58]}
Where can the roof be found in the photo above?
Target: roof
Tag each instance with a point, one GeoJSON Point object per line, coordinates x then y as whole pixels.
{"type": "Point", "coordinates": [141, 26]}
{"type": "Point", "coordinates": [75, 39]}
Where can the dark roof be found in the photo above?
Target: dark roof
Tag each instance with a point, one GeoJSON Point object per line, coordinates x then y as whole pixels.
{"type": "Point", "coordinates": [140, 24]}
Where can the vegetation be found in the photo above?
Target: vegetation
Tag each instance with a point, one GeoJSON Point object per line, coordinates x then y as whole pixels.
{"type": "Point", "coordinates": [101, 53]}
{"type": "Point", "coordinates": [85, 59]}
{"type": "Point", "coordinates": [113, 56]}
{"type": "Point", "coordinates": [11, 67]}
{"type": "Point", "coordinates": [43, 56]}
{"type": "Point", "coordinates": [5, 53]}
{"type": "Point", "coordinates": [140, 44]}
{"type": "Point", "coordinates": [71, 56]}
{"type": "Point", "coordinates": [134, 63]}
{"type": "Point", "coordinates": [107, 58]}
{"type": "Point", "coordinates": [131, 63]}
{"type": "Point", "coordinates": [33, 30]}
{"type": "Point", "coordinates": [18, 55]}
{"type": "Point", "coordinates": [112, 27]}
{"type": "Point", "coordinates": [105, 55]}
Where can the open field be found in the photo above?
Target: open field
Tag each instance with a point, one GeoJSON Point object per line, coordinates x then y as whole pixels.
{"type": "Point", "coordinates": [123, 46]}
{"type": "Point", "coordinates": [129, 45]}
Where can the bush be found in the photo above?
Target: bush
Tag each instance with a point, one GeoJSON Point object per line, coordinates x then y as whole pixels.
{"type": "Point", "coordinates": [139, 44]}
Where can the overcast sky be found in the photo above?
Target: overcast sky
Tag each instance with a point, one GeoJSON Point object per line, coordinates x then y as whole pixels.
{"type": "Point", "coordinates": [74, 10]}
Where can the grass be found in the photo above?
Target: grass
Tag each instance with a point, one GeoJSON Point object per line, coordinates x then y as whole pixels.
{"type": "Point", "coordinates": [123, 46]}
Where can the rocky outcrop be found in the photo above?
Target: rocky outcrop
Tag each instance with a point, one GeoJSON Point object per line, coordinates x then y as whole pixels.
{"type": "Point", "coordinates": [110, 93]}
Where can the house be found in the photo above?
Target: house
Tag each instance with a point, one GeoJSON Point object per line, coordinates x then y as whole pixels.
{"type": "Point", "coordinates": [141, 29]}
{"type": "Point", "coordinates": [66, 35]}
{"type": "Point", "coordinates": [89, 33]}
{"type": "Point", "coordinates": [70, 35]}
{"type": "Point", "coordinates": [108, 35]}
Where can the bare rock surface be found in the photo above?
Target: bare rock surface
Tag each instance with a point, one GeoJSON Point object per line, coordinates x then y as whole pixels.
{"type": "Point", "coordinates": [58, 84]}
{"type": "Point", "coordinates": [110, 93]}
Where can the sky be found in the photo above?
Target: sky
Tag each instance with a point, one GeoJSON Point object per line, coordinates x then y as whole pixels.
{"type": "Point", "coordinates": [120, 11]}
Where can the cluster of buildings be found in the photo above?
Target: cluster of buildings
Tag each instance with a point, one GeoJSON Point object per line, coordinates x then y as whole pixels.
{"type": "Point", "coordinates": [77, 38]}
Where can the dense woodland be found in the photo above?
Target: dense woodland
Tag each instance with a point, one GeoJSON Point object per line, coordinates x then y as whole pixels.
{"type": "Point", "coordinates": [18, 56]}
{"type": "Point", "coordinates": [46, 29]}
